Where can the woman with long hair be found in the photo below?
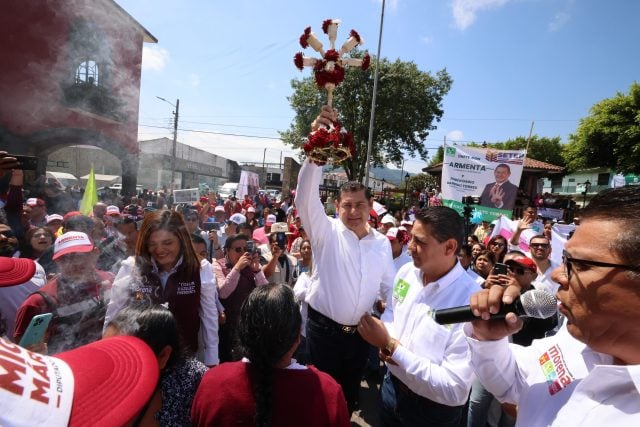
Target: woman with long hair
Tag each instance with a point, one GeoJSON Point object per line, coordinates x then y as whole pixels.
{"type": "Point", "coordinates": [37, 240]}
{"type": "Point", "coordinates": [498, 245]}
{"type": "Point", "coordinates": [268, 388]}
{"type": "Point", "coordinates": [237, 274]}
{"type": "Point", "coordinates": [180, 373]}
{"type": "Point", "coordinates": [166, 269]}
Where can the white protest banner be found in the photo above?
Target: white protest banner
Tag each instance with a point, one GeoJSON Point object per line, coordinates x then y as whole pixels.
{"type": "Point", "coordinates": [188, 195]}
{"type": "Point", "coordinates": [491, 175]}
{"type": "Point", "coordinates": [559, 235]}
{"type": "Point", "coordinates": [249, 184]}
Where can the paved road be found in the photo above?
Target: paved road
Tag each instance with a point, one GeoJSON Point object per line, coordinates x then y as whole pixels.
{"type": "Point", "coordinates": [368, 414]}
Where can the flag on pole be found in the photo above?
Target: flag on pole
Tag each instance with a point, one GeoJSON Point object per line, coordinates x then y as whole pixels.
{"type": "Point", "coordinates": [90, 197]}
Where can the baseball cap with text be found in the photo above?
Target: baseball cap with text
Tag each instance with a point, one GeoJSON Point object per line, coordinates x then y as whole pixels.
{"type": "Point", "coordinates": [70, 242]}
{"type": "Point", "coordinates": [105, 383]}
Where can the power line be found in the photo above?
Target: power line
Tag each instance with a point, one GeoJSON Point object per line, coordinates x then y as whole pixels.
{"type": "Point", "coordinates": [214, 133]}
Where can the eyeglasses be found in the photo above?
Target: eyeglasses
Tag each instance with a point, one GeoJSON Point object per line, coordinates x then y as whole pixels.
{"type": "Point", "coordinates": [498, 244]}
{"type": "Point", "coordinates": [8, 234]}
{"type": "Point", "coordinates": [514, 268]}
{"type": "Point", "coordinates": [569, 261]}
{"type": "Point", "coordinates": [539, 245]}
{"type": "Point", "coordinates": [239, 249]}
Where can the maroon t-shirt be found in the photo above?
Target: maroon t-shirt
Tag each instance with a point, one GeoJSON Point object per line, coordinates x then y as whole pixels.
{"type": "Point", "coordinates": [306, 398]}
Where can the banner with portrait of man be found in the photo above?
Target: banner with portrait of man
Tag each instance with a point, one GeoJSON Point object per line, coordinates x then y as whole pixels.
{"type": "Point", "coordinates": [490, 176]}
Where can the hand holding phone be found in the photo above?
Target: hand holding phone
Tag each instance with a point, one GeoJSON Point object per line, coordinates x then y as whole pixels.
{"type": "Point", "coordinates": [36, 330]}
{"type": "Point", "coordinates": [500, 268]}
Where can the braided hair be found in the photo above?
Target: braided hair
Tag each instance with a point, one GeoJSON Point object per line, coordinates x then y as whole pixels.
{"type": "Point", "coordinates": [269, 326]}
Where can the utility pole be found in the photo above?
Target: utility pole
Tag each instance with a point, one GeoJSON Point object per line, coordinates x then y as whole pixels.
{"type": "Point", "coordinates": [264, 170]}
{"type": "Point", "coordinates": [175, 143]}
{"type": "Point", "coordinates": [175, 139]}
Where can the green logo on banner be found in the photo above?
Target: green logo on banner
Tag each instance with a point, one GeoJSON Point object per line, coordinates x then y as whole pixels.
{"type": "Point", "coordinates": [400, 290]}
{"type": "Point", "coordinates": [451, 151]}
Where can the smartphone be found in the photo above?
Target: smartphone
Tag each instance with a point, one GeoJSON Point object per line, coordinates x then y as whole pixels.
{"type": "Point", "coordinates": [36, 330]}
{"type": "Point", "coordinates": [251, 247]}
{"type": "Point", "coordinates": [500, 268]}
{"type": "Point", "coordinates": [27, 163]}
{"type": "Point", "coordinates": [281, 239]}
{"type": "Point", "coordinates": [209, 226]}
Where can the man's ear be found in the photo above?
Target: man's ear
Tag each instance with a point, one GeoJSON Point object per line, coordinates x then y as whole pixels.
{"type": "Point", "coordinates": [450, 247]}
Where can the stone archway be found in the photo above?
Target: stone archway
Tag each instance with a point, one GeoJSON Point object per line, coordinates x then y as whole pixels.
{"type": "Point", "coordinates": [43, 143]}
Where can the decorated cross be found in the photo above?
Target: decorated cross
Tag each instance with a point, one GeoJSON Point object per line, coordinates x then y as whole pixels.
{"type": "Point", "coordinates": [332, 145]}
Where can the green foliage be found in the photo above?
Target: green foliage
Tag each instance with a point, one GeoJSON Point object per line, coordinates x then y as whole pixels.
{"type": "Point", "coordinates": [421, 181]}
{"type": "Point", "coordinates": [408, 104]}
{"type": "Point", "coordinates": [439, 157]}
{"type": "Point", "coordinates": [540, 148]}
{"type": "Point", "coordinates": [609, 136]}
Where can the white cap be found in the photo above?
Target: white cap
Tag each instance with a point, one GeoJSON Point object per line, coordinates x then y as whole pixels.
{"type": "Point", "coordinates": [112, 210]}
{"type": "Point", "coordinates": [54, 217]}
{"type": "Point", "coordinates": [280, 227]}
{"type": "Point", "coordinates": [70, 242]}
{"type": "Point", "coordinates": [388, 219]}
{"type": "Point", "coordinates": [219, 208]}
{"type": "Point", "coordinates": [271, 219]}
{"type": "Point", "coordinates": [251, 209]}
{"type": "Point", "coordinates": [238, 218]}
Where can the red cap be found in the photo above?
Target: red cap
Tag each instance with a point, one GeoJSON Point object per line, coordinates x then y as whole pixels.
{"type": "Point", "coordinates": [105, 383]}
{"type": "Point", "coordinates": [114, 379]}
{"type": "Point", "coordinates": [16, 271]}
{"type": "Point", "coordinates": [524, 262]}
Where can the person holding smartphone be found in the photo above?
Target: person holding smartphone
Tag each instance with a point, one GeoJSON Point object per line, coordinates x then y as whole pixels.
{"type": "Point", "coordinates": [237, 274]}
{"type": "Point", "coordinates": [279, 265]}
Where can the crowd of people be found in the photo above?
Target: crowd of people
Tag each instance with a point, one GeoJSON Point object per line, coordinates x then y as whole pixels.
{"type": "Point", "coordinates": [225, 312]}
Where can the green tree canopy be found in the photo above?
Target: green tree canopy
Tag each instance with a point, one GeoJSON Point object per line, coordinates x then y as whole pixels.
{"type": "Point", "coordinates": [609, 136]}
{"type": "Point", "coordinates": [408, 104]}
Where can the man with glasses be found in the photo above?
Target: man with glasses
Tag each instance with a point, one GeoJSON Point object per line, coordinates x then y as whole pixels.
{"type": "Point", "coordinates": [588, 373]}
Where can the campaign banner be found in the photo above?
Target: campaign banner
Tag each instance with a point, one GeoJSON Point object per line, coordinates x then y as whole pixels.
{"type": "Point", "coordinates": [249, 184]}
{"type": "Point", "coordinates": [188, 195]}
{"type": "Point", "coordinates": [491, 176]}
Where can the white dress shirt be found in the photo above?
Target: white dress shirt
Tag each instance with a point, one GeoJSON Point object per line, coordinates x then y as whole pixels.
{"type": "Point", "coordinates": [402, 259]}
{"type": "Point", "coordinates": [351, 273]}
{"type": "Point", "coordinates": [208, 333]}
{"type": "Point", "coordinates": [558, 381]}
{"type": "Point", "coordinates": [433, 359]}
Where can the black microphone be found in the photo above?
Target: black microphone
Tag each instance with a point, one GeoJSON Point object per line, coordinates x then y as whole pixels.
{"type": "Point", "coordinates": [534, 303]}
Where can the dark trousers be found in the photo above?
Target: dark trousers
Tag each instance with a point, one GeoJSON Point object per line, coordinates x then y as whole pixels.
{"type": "Point", "coordinates": [403, 407]}
{"type": "Point", "coordinates": [339, 354]}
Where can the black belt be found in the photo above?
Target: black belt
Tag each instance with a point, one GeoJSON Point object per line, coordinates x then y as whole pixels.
{"type": "Point", "coordinates": [323, 320]}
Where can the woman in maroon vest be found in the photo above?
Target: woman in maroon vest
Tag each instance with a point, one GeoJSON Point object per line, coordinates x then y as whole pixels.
{"type": "Point", "coordinates": [237, 274]}
{"type": "Point", "coordinates": [166, 270]}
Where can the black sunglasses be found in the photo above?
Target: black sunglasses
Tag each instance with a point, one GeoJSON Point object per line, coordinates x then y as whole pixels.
{"type": "Point", "coordinates": [539, 245]}
{"type": "Point", "coordinates": [567, 261]}
{"type": "Point", "coordinates": [516, 269]}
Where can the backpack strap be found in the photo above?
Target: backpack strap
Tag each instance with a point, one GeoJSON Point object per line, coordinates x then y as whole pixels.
{"type": "Point", "coordinates": [51, 305]}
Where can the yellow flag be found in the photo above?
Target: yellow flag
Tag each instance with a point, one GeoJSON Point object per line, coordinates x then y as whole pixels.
{"type": "Point", "coordinates": [90, 197]}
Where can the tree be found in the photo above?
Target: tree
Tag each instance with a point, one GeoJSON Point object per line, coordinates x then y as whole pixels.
{"type": "Point", "coordinates": [408, 103]}
{"type": "Point", "coordinates": [610, 136]}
